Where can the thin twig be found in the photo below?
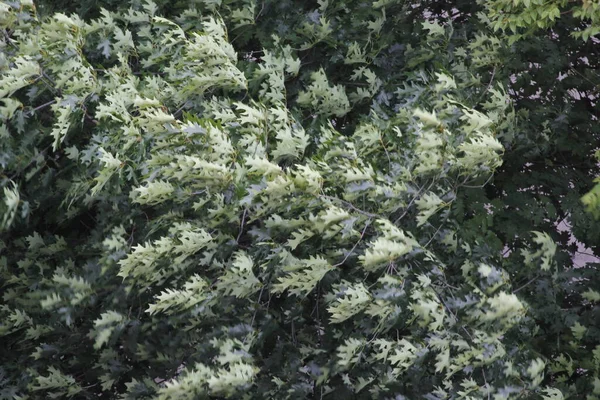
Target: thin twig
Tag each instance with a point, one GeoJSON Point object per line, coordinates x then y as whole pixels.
{"type": "Point", "coordinates": [479, 186]}
{"type": "Point", "coordinates": [412, 201]}
{"type": "Point", "coordinates": [386, 153]}
{"type": "Point", "coordinates": [586, 254]}
{"type": "Point", "coordinates": [528, 282]}
{"type": "Point", "coordinates": [50, 83]}
{"type": "Point", "coordinates": [488, 86]}
{"type": "Point", "coordinates": [8, 40]}
{"type": "Point", "coordinates": [584, 77]}
{"type": "Point", "coordinates": [175, 114]}
{"type": "Point", "coordinates": [362, 235]}
{"type": "Point", "coordinates": [88, 116]}
{"type": "Point", "coordinates": [406, 209]}
{"type": "Point", "coordinates": [43, 106]}
{"type": "Point", "coordinates": [487, 386]}
{"type": "Point", "coordinates": [131, 236]}
{"type": "Point", "coordinates": [242, 225]}
{"type": "Point", "coordinates": [45, 75]}
{"type": "Point", "coordinates": [261, 11]}
{"type": "Point", "coordinates": [257, 306]}
{"type": "Point", "coordinates": [439, 296]}
{"type": "Point", "coordinates": [433, 236]}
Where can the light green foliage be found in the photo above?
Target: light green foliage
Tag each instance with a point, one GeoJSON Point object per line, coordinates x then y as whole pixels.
{"type": "Point", "coordinates": [428, 205]}
{"type": "Point", "coordinates": [524, 17]}
{"type": "Point", "coordinates": [545, 252]}
{"type": "Point", "coordinates": [591, 200]}
{"type": "Point", "coordinates": [180, 300]}
{"type": "Point", "coordinates": [303, 277]}
{"type": "Point", "coordinates": [11, 202]}
{"type": "Point", "coordinates": [350, 301]}
{"type": "Point", "coordinates": [104, 327]}
{"type": "Point", "coordinates": [321, 96]}
{"type": "Point", "coordinates": [17, 77]}
{"type": "Point", "coordinates": [239, 280]}
{"type": "Point", "coordinates": [56, 384]}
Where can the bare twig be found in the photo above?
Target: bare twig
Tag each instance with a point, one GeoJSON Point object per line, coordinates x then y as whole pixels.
{"type": "Point", "coordinates": [412, 201]}
{"type": "Point", "coordinates": [8, 40]}
{"type": "Point", "coordinates": [262, 8]}
{"type": "Point", "coordinates": [131, 236]}
{"type": "Point", "coordinates": [587, 254]}
{"type": "Point", "coordinates": [487, 386]}
{"type": "Point", "coordinates": [386, 153]}
{"type": "Point", "coordinates": [434, 234]}
{"type": "Point", "coordinates": [88, 116]}
{"type": "Point", "coordinates": [362, 235]}
{"type": "Point", "coordinates": [242, 225]}
{"type": "Point", "coordinates": [488, 86]}
{"type": "Point", "coordinates": [175, 114]}
{"type": "Point", "coordinates": [526, 284]}
{"type": "Point", "coordinates": [43, 106]}
{"type": "Point", "coordinates": [479, 186]}
{"type": "Point", "coordinates": [257, 306]}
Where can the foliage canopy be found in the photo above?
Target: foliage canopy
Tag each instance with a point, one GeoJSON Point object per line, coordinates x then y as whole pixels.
{"type": "Point", "coordinates": [281, 199]}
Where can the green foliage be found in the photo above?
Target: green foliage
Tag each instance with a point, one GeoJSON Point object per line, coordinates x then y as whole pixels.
{"type": "Point", "coordinates": [524, 17]}
{"type": "Point", "coordinates": [276, 199]}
